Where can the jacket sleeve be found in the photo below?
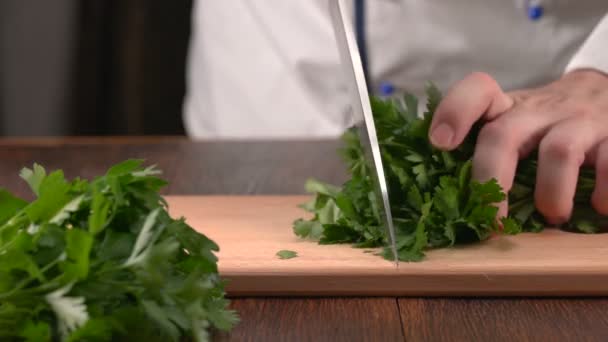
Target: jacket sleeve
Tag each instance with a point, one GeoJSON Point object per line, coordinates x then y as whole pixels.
{"type": "Point", "coordinates": [593, 54]}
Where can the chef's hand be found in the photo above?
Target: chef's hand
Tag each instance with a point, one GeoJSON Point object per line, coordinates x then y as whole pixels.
{"type": "Point", "coordinates": [567, 120]}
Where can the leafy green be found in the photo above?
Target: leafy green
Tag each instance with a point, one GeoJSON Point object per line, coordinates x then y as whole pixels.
{"type": "Point", "coordinates": [10, 205]}
{"type": "Point", "coordinates": [434, 201]}
{"type": "Point", "coordinates": [103, 260]}
{"type": "Point", "coordinates": [286, 254]}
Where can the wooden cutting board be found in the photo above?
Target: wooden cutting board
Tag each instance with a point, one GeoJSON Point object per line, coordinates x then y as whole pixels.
{"type": "Point", "coordinates": [251, 229]}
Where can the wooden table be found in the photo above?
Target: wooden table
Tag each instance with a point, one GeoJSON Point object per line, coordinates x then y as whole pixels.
{"type": "Point", "coordinates": [281, 168]}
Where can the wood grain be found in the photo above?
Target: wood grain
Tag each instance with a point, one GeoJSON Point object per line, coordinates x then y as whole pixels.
{"type": "Point", "coordinates": [51, 141]}
{"type": "Point", "coordinates": [205, 167]}
{"type": "Point", "coordinates": [316, 319]}
{"type": "Point", "coordinates": [498, 320]}
{"type": "Point", "coordinates": [251, 229]}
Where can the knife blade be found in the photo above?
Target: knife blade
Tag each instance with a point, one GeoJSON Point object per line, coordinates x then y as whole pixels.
{"type": "Point", "coordinates": [362, 112]}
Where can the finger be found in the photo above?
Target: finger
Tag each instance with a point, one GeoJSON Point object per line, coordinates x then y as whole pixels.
{"type": "Point", "coordinates": [468, 100]}
{"type": "Point", "coordinates": [499, 147]}
{"type": "Point", "coordinates": [561, 154]}
{"type": "Point", "coordinates": [599, 198]}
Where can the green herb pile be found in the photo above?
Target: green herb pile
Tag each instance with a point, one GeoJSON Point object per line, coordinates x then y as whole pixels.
{"type": "Point", "coordinates": [434, 201]}
{"type": "Point", "coordinates": [103, 260]}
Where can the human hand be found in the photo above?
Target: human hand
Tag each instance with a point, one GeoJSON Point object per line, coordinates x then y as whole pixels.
{"type": "Point", "coordinates": [567, 120]}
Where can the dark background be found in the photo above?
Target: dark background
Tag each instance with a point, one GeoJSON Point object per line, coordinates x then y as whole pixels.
{"type": "Point", "coordinates": [93, 67]}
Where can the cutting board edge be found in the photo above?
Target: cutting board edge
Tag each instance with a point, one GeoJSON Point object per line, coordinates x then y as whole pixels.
{"type": "Point", "coordinates": [456, 285]}
{"type": "Point", "coordinates": [456, 271]}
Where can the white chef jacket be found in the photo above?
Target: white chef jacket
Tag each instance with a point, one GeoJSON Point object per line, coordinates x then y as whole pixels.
{"type": "Point", "coordinates": [270, 69]}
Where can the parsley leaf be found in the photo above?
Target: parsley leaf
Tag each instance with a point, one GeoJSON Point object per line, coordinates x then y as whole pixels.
{"type": "Point", "coordinates": [103, 260]}
{"type": "Point", "coordinates": [286, 254]}
{"type": "Point", "coordinates": [434, 201]}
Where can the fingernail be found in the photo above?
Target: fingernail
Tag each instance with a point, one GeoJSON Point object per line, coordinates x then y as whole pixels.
{"type": "Point", "coordinates": [503, 209]}
{"type": "Point", "coordinates": [442, 135]}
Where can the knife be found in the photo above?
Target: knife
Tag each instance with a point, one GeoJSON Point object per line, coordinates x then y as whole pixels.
{"type": "Point", "coordinates": [362, 112]}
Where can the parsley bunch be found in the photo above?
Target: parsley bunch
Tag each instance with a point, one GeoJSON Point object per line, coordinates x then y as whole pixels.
{"type": "Point", "coordinates": [434, 201]}
{"type": "Point", "coordinates": [103, 260]}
